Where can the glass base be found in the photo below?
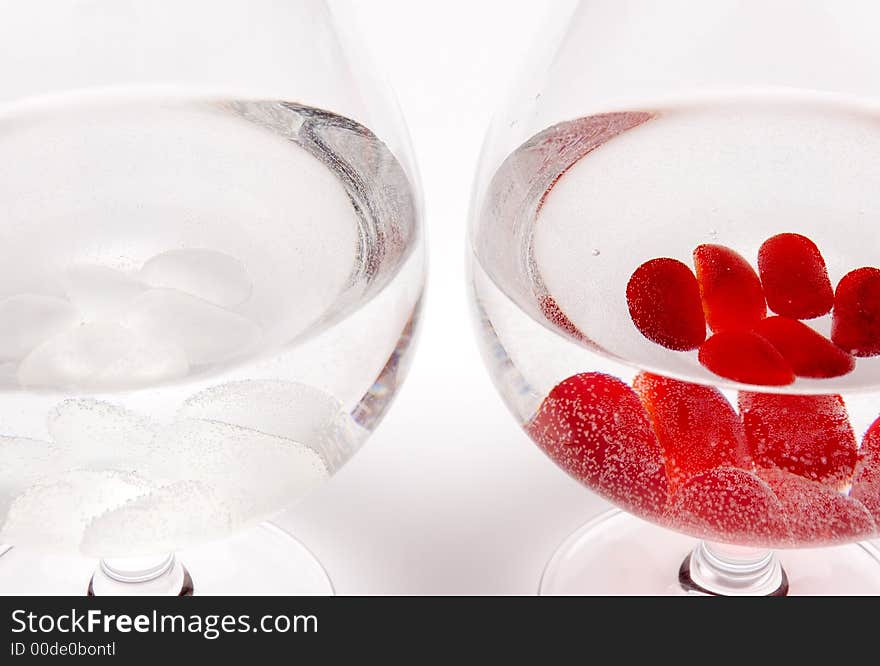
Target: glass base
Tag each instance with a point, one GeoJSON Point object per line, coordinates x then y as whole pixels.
{"type": "Point", "coordinates": [265, 561]}
{"type": "Point", "coordinates": [619, 555]}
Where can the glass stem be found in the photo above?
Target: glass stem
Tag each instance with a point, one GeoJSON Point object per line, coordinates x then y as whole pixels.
{"type": "Point", "coordinates": [730, 571]}
{"type": "Point", "coordinates": [147, 576]}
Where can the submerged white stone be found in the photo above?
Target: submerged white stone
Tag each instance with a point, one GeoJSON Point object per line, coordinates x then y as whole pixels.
{"type": "Point", "coordinates": [53, 514]}
{"type": "Point", "coordinates": [165, 520]}
{"type": "Point", "coordinates": [24, 462]}
{"type": "Point", "coordinates": [208, 334]}
{"type": "Point", "coordinates": [213, 276]}
{"type": "Point", "coordinates": [100, 435]}
{"type": "Point", "coordinates": [146, 362]}
{"type": "Point", "coordinates": [102, 355]}
{"type": "Point", "coordinates": [28, 320]}
{"type": "Point", "coordinates": [98, 292]}
{"type": "Point", "coordinates": [216, 478]}
{"type": "Point", "coordinates": [282, 409]}
{"type": "Point", "coordinates": [270, 472]}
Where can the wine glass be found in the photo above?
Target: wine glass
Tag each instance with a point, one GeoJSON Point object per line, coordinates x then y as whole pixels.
{"type": "Point", "coordinates": [674, 270]}
{"type": "Point", "coordinates": [213, 270]}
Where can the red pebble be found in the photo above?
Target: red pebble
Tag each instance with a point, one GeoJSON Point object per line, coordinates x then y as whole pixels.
{"type": "Point", "coordinates": [596, 429]}
{"type": "Point", "coordinates": [866, 487]}
{"type": "Point", "coordinates": [664, 302]}
{"type": "Point", "coordinates": [558, 318]}
{"type": "Point", "coordinates": [857, 313]}
{"type": "Point", "coordinates": [869, 456]}
{"type": "Point", "coordinates": [696, 425]}
{"type": "Point", "coordinates": [816, 514]}
{"type": "Point", "coordinates": [733, 298]}
{"type": "Point", "coordinates": [869, 495]}
{"type": "Point", "coordinates": [809, 354]}
{"type": "Point", "coordinates": [731, 506]}
{"type": "Point", "coordinates": [810, 436]}
{"type": "Point", "coordinates": [747, 358]}
{"type": "Point", "coordinates": [795, 277]}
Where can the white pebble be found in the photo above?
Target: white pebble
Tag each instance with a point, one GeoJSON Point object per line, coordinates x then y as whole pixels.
{"type": "Point", "coordinates": [292, 411]}
{"type": "Point", "coordinates": [74, 358]}
{"type": "Point", "coordinates": [212, 276]}
{"type": "Point", "coordinates": [146, 363]}
{"type": "Point", "coordinates": [270, 472]}
{"type": "Point", "coordinates": [102, 356]}
{"type": "Point", "coordinates": [24, 462]}
{"type": "Point", "coordinates": [99, 435]}
{"type": "Point", "coordinates": [29, 320]}
{"type": "Point", "coordinates": [54, 514]}
{"type": "Point", "coordinates": [99, 292]}
{"type": "Point", "coordinates": [208, 334]}
{"type": "Point", "coordinates": [164, 521]}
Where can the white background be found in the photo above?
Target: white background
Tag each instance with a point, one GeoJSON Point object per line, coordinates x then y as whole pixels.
{"type": "Point", "coordinates": [449, 496]}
